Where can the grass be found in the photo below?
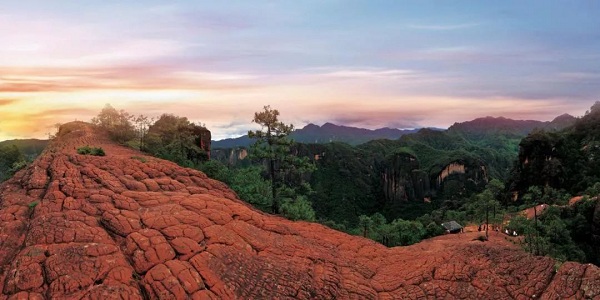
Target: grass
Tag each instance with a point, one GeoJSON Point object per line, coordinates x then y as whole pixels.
{"type": "Point", "coordinates": [87, 150]}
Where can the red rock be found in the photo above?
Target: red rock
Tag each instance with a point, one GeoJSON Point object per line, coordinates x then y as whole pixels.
{"type": "Point", "coordinates": [115, 227]}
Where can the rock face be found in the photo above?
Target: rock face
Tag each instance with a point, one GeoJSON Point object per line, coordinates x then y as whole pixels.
{"type": "Point", "coordinates": [231, 156]}
{"type": "Point", "coordinates": [128, 226]}
{"type": "Point", "coordinates": [403, 180]}
{"type": "Point", "coordinates": [203, 139]}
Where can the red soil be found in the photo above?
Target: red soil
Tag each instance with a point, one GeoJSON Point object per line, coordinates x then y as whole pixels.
{"type": "Point", "coordinates": [116, 227]}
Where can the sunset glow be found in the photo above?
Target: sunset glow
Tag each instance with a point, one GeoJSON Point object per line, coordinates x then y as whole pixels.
{"type": "Point", "coordinates": [371, 64]}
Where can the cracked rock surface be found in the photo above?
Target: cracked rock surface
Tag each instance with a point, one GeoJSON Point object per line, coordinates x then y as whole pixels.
{"type": "Point", "coordinates": [129, 226]}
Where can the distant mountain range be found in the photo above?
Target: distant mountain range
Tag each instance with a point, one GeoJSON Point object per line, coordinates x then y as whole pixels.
{"type": "Point", "coordinates": [491, 125]}
{"type": "Point", "coordinates": [326, 133]}
{"type": "Point", "coordinates": [329, 132]}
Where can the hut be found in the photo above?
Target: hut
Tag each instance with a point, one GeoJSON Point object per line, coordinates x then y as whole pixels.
{"type": "Point", "coordinates": [452, 227]}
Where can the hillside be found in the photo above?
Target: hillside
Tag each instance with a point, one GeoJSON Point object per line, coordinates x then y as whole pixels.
{"type": "Point", "coordinates": [567, 159]}
{"type": "Point", "coordinates": [399, 177]}
{"type": "Point", "coordinates": [29, 147]}
{"type": "Point", "coordinates": [131, 226]}
{"type": "Point", "coordinates": [326, 133]}
{"type": "Point", "coordinates": [490, 125]}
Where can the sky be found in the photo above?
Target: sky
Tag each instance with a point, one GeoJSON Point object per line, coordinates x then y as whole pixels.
{"type": "Point", "coordinates": [370, 64]}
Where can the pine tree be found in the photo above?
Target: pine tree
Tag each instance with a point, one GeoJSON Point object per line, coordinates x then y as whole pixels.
{"type": "Point", "coordinates": [272, 146]}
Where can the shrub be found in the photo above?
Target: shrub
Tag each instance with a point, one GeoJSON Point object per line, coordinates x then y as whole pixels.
{"type": "Point", "coordinates": [98, 152]}
{"type": "Point", "coordinates": [87, 150]}
{"type": "Point", "coordinates": [298, 209]}
{"type": "Point", "coordinates": [18, 166]}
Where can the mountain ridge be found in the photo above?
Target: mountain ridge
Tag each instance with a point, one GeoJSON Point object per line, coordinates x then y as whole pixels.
{"type": "Point", "coordinates": [329, 132]}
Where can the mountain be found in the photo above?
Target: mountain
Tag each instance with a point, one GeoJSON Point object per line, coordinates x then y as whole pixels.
{"type": "Point", "coordinates": [509, 127]}
{"type": "Point", "coordinates": [127, 225]}
{"type": "Point", "coordinates": [407, 177]}
{"type": "Point", "coordinates": [567, 159]}
{"type": "Point", "coordinates": [329, 132]}
{"type": "Point", "coordinates": [351, 135]}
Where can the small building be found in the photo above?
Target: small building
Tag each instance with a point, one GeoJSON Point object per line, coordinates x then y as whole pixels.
{"type": "Point", "coordinates": [452, 227]}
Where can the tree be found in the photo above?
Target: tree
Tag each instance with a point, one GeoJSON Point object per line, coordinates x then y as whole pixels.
{"type": "Point", "coordinates": [117, 123]}
{"type": "Point", "coordinates": [533, 196]}
{"type": "Point", "coordinates": [365, 222]}
{"type": "Point", "coordinates": [11, 160]}
{"type": "Point", "coordinates": [298, 209]}
{"type": "Point", "coordinates": [286, 171]}
{"type": "Point", "coordinates": [142, 123]}
{"type": "Point", "coordinates": [252, 188]}
{"type": "Point", "coordinates": [176, 139]}
{"type": "Point", "coordinates": [486, 203]}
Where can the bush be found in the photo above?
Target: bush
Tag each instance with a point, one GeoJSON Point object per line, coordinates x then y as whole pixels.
{"type": "Point", "coordinates": [87, 150]}
{"type": "Point", "coordinates": [18, 166]}
{"type": "Point", "coordinates": [98, 152]}
{"type": "Point", "coordinates": [298, 209]}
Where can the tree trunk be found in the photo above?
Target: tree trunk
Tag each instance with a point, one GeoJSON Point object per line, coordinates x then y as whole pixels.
{"type": "Point", "coordinates": [535, 225]}
{"type": "Point", "coordinates": [275, 204]}
{"type": "Point", "coordinates": [487, 223]}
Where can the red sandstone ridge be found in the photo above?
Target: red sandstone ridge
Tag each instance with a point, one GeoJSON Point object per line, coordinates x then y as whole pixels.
{"type": "Point", "coordinates": [122, 227]}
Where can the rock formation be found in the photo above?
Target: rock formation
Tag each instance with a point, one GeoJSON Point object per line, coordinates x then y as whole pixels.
{"type": "Point", "coordinates": [231, 156]}
{"type": "Point", "coordinates": [129, 226]}
{"type": "Point", "coordinates": [203, 139]}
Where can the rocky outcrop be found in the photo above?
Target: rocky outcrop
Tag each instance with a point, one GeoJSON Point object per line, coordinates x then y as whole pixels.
{"type": "Point", "coordinates": [453, 168]}
{"type": "Point", "coordinates": [128, 226]}
{"type": "Point", "coordinates": [402, 179]}
{"type": "Point", "coordinates": [231, 157]}
{"type": "Point", "coordinates": [203, 139]}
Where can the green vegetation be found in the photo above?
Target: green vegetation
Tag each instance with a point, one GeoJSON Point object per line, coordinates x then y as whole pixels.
{"type": "Point", "coordinates": [169, 137]}
{"type": "Point", "coordinates": [117, 123]}
{"type": "Point", "coordinates": [467, 174]}
{"type": "Point", "coordinates": [87, 150]}
{"type": "Point", "coordinates": [286, 170]}
{"type": "Point", "coordinates": [11, 161]}
{"type": "Point", "coordinates": [399, 232]}
{"type": "Point", "coordinates": [176, 139]}
{"type": "Point", "coordinates": [30, 148]}
{"type": "Point", "coordinates": [561, 232]}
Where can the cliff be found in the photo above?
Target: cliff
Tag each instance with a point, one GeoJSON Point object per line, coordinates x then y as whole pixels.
{"type": "Point", "coordinates": [128, 226]}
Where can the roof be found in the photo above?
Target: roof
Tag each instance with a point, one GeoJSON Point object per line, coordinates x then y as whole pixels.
{"type": "Point", "coordinates": [451, 226]}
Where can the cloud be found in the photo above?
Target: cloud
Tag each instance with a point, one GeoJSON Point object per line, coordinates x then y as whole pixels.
{"type": "Point", "coordinates": [35, 121]}
{"type": "Point", "coordinates": [379, 119]}
{"type": "Point", "coordinates": [579, 76]}
{"type": "Point", "coordinates": [369, 73]}
{"type": "Point", "coordinates": [4, 102]}
{"type": "Point", "coordinates": [141, 77]}
{"type": "Point", "coordinates": [443, 27]}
